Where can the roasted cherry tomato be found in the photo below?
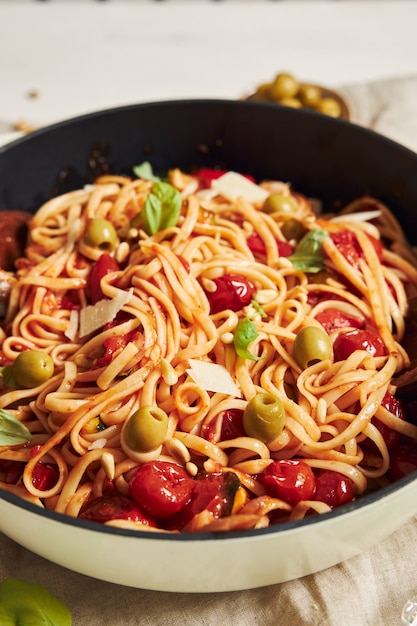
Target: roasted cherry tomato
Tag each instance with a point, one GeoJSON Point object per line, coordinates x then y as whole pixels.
{"type": "Point", "coordinates": [104, 265]}
{"type": "Point", "coordinates": [211, 492]}
{"type": "Point", "coordinates": [346, 343]}
{"type": "Point", "coordinates": [11, 471]}
{"type": "Point", "coordinates": [391, 437]}
{"type": "Point", "coordinates": [232, 424]}
{"type": "Point", "coordinates": [116, 506]}
{"type": "Point", "coordinates": [403, 460]}
{"type": "Point", "coordinates": [333, 488]}
{"type": "Point", "coordinates": [333, 319]}
{"type": "Point", "coordinates": [44, 476]}
{"type": "Point", "coordinates": [290, 480]}
{"type": "Point", "coordinates": [232, 292]}
{"type": "Point", "coordinates": [348, 245]}
{"type": "Point", "coordinates": [257, 246]}
{"type": "Point", "coordinates": [161, 488]}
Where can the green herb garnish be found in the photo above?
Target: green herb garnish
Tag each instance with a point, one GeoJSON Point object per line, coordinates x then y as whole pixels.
{"type": "Point", "coordinates": [161, 209]}
{"type": "Point", "coordinates": [308, 256]}
{"type": "Point", "coordinates": [145, 171]}
{"type": "Point", "coordinates": [244, 334]}
{"type": "Point", "coordinates": [12, 432]}
{"type": "Point", "coordinates": [23, 603]}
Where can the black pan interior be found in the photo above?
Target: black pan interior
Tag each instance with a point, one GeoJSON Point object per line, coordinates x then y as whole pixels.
{"type": "Point", "coordinates": [323, 157]}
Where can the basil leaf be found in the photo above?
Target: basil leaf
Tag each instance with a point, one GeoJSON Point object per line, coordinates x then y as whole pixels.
{"type": "Point", "coordinates": [245, 333]}
{"type": "Point", "coordinates": [308, 255]}
{"type": "Point", "coordinates": [12, 432]}
{"type": "Point", "coordinates": [145, 171]}
{"type": "Point", "coordinates": [162, 208]}
{"type": "Point", "coordinates": [23, 603]}
{"type": "Point", "coordinates": [6, 373]}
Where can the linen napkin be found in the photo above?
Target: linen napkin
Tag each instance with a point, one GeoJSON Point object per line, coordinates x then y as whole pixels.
{"type": "Point", "coordinates": [368, 590]}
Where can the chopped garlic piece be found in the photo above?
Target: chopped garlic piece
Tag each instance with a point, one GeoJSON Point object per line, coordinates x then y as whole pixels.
{"type": "Point", "coordinates": [212, 377]}
{"type": "Point", "coordinates": [233, 186]}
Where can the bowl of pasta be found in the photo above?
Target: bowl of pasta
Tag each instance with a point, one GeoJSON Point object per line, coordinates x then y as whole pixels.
{"type": "Point", "coordinates": [206, 343]}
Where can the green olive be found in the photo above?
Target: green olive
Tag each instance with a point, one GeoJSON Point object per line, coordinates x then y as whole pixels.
{"type": "Point", "coordinates": [264, 417]}
{"type": "Point", "coordinates": [309, 94]}
{"type": "Point", "coordinates": [293, 229]}
{"type": "Point", "coordinates": [329, 106]}
{"type": "Point", "coordinates": [32, 368]}
{"type": "Point", "coordinates": [284, 86]}
{"type": "Point", "coordinates": [100, 233]}
{"type": "Point", "coordinates": [311, 345]}
{"type": "Point", "coordinates": [279, 203]}
{"type": "Point", "coordinates": [294, 103]}
{"type": "Point", "coordinates": [146, 429]}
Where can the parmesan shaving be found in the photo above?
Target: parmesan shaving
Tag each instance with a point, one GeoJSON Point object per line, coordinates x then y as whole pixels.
{"type": "Point", "coordinates": [212, 377]}
{"type": "Point", "coordinates": [362, 216]}
{"type": "Point", "coordinates": [72, 329]}
{"type": "Point", "coordinates": [94, 316]}
{"type": "Point", "coordinates": [233, 186]}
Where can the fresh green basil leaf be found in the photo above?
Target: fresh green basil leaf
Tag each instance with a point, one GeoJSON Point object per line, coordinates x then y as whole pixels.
{"type": "Point", "coordinates": [150, 215]}
{"type": "Point", "coordinates": [12, 432]}
{"type": "Point", "coordinates": [308, 255]}
{"type": "Point", "coordinates": [145, 171]}
{"type": "Point", "coordinates": [29, 604]}
{"type": "Point", "coordinates": [171, 201]}
{"type": "Point", "coordinates": [244, 334]}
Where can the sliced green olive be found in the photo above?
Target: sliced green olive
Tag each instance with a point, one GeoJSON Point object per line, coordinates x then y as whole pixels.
{"type": "Point", "coordinates": [311, 345]}
{"type": "Point", "coordinates": [32, 368]}
{"type": "Point", "coordinates": [284, 86]}
{"type": "Point", "coordinates": [146, 429]}
{"type": "Point", "coordinates": [279, 203]}
{"type": "Point", "coordinates": [100, 233]}
{"type": "Point", "coordinates": [264, 417]}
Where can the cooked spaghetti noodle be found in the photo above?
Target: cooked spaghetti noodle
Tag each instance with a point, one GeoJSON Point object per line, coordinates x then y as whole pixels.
{"type": "Point", "coordinates": [161, 321]}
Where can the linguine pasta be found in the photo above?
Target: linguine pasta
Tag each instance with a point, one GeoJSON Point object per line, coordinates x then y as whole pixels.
{"type": "Point", "coordinates": [141, 344]}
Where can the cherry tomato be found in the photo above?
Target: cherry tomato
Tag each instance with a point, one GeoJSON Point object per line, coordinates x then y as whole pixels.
{"type": "Point", "coordinates": [348, 245]}
{"type": "Point", "coordinates": [257, 246]}
{"type": "Point", "coordinates": [211, 492]}
{"type": "Point", "coordinates": [116, 506]}
{"type": "Point", "coordinates": [333, 319]}
{"type": "Point", "coordinates": [206, 175]}
{"type": "Point", "coordinates": [44, 476]}
{"type": "Point", "coordinates": [403, 460]}
{"type": "Point", "coordinates": [333, 488]}
{"type": "Point", "coordinates": [358, 339]}
{"type": "Point", "coordinates": [232, 292]}
{"type": "Point", "coordinates": [232, 424]}
{"type": "Point", "coordinates": [391, 437]}
{"type": "Point", "coordinates": [104, 265]}
{"type": "Point", "coordinates": [11, 471]}
{"type": "Point", "coordinates": [290, 480]}
{"type": "Point", "coordinates": [161, 488]}
{"type": "Point", "coordinates": [111, 345]}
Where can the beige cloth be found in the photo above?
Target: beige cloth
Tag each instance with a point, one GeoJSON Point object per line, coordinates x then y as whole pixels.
{"type": "Point", "coordinates": [368, 590]}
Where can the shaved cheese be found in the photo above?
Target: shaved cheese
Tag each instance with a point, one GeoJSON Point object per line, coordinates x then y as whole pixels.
{"type": "Point", "coordinates": [233, 186]}
{"type": "Point", "coordinates": [96, 315]}
{"type": "Point", "coordinates": [72, 328]}
{"type": "Point", "coordinates": [360, 216]}
{"type": "Point", "coordinates": [212, 377]}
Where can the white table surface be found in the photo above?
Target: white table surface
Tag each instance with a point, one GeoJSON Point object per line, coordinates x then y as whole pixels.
{"type": "Point", "coordinates": [82, 55]}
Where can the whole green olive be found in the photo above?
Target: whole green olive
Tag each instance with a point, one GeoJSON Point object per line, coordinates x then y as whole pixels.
{"type": "Point", "coordinates": [146, 429]}
{"type": "Point", "coordinates": [100, 233]}
{"type": "Point", "coordinates": [329, 106]}
{"type": "Point", "coordinates": [309, 94]}
{"type": "Point", "coordinates": [311, 345]}
{"type": "Point", "coordinates": [284, 86]}
{"type": "Point", "coordinates": [293, 229]}
{"type": "Point", "coordinates": [32, 368]}
{"type": "Point", "coordinates": [264, 417]}
{"type": "Point", "coordinates": [279, 203]}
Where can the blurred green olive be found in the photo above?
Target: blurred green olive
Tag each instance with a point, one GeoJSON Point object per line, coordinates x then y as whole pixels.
{"type": "Point", "coordinates": [329, 106]}
{"type": "Point", "coordinates": [309, 94]}
{"type": "Point", "coordinates": [311, 345]}
{"type": "Point", "coordinates": [279, 203]}
{"type": "Point", "coordinates": [100, 233]}
{"type": "Point", "coordinates": [294, 103]}
{"type": "Point", "coordinates": [284, 86]}
{"type": "Point", "coordinates": [146, 429]}
{"type": "Point", "coordinates": [32, 368]}
{"type": "Point", "coordinates": [264, 417]}
{"type": "Point", "coordinates": [293, 229]}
